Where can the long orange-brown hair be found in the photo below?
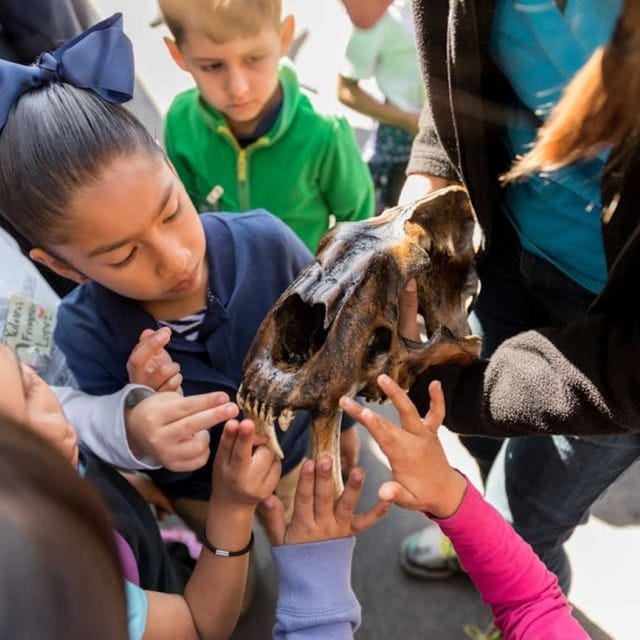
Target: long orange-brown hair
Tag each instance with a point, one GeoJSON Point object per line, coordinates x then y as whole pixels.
{"type": "Point", "coordinates": [599, 108]}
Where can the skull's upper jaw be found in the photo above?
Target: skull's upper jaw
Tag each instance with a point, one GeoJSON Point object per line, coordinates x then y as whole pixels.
{"type": "Point", "coordinates": [335, 329]}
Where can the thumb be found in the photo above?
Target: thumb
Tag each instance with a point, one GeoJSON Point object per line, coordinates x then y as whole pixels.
{"type": "Point", "coordinates": [393, 491]}
{"type": "Point", "coordinates": [274, 522]}
{"type": "Point", "coordinates": [408, 307]}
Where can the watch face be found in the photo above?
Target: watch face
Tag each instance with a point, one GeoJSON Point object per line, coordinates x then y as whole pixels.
{"type": "Point", "coordinates": [136, 396]}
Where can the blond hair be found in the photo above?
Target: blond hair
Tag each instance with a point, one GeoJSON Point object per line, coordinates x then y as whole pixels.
{"type": "Point", "coordinates": [220, 20]}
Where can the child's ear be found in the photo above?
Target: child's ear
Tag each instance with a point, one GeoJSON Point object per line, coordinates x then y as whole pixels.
{"type": "Point", "coordinates": [175, 53]}
{"type": "Point", "coordinates": [55, 264]}
{"type": "Point", "coordinates": [287, 29]}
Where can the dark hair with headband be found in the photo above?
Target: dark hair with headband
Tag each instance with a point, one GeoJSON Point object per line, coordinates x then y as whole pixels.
{"type": "Point", "coordinates": [59, 136]}
{"type": "Point", "coordinates": [58, 139]}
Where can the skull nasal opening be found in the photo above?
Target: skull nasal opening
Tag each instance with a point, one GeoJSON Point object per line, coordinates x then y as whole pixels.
{"type": "Point", "coordinates": [302, 332]}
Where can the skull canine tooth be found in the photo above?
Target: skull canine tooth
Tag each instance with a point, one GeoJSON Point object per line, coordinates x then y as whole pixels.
{"type": "Point", "coordinates": [285, 418]}
{"type": "Point", "coordinates": [274, 445]}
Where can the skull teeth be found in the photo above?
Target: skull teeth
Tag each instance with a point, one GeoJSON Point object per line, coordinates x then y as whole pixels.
{"type": "Point", "coordinates": [263, 415]}
{"type": "Point", "coordinates": [285, 418]}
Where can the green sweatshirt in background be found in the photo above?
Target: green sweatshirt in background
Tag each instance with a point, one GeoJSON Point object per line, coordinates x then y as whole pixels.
{"type": "Point", "coordinates": [304, 169]}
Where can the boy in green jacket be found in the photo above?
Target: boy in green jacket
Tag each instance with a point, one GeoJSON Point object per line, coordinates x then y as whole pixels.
{"type": "Point", "coordinates": [247, 137]}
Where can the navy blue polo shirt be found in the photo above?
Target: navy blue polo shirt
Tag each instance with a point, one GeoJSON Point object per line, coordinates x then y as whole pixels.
{"type": "Point", "coordinates": [252, 258]}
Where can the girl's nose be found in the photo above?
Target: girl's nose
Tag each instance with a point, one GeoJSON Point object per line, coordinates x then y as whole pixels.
{"type": "Point", "coordinates": [173, 260]}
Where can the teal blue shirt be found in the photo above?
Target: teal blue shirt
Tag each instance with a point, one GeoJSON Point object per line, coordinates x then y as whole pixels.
{"type": "Point", "coordinates": [539, 48]}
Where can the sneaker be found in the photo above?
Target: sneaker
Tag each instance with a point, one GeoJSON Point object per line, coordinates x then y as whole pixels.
{"type": "Point", "coordinates": [428, 554]}
{"type": "Point", "coordinates": [475, 633]}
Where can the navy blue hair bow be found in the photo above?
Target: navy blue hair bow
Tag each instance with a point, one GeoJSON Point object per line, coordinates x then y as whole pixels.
{"type": "Point", "coordinates": [100, 59]}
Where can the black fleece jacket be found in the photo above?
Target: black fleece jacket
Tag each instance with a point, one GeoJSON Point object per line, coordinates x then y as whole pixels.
{"type": "Point", "coordinates": [582, 379]}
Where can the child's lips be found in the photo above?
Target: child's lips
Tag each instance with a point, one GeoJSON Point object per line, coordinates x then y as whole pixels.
{"type": "Point", "coordinates": [186, 283]}
{"type": "Point", "coordinates": [240, 105]}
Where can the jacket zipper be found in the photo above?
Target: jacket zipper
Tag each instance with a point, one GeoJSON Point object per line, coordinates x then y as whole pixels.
{"type": "Point", "coordinates": [241, 164]}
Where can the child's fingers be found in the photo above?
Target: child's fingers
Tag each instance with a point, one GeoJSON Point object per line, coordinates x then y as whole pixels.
{"type": "Point", "coordinates": [193, 447]}
{"type": "Point", "coordinates": [274, 520]}
{"type": "Point", "coordinates": [393, 491]}
{"type": "Point", "coordinates": [323, 488]}
{"type": "Point", "coordinates": [227, 440]}
{"type": "Point", "coordinates": [174, 408]}
{"type": "Point", "coordinates": [243, 445]}
{"type": "Point", "coordinates": [409, 416]}
{"type": "Point", "coordinates": [382, 433]}
{"type": "Point", "coordinates": [172, 384]}
{"type": "Point", "coordinates": [270, 480]}
{"type": "Point", "coordinates": [303, 500]}
{"type": "Point", "coordinates": [408, 311]}
{"type": "Point", "coordinates": [195, 423]}
{"type": "Point", "coordinates": [149, 344]}
{"type": "Point", "coordinates": [437, 407]}
{"type": "Point", "coordinates": [363, 521]}
{"type": "Point", "coordinates": [347, 502]}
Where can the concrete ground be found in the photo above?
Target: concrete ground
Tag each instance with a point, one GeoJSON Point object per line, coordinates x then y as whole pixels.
{"type": "Point", "coordinates": [605, 553]}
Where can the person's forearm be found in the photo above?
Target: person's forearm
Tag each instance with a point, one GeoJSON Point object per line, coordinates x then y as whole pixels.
{"type": "Point", "coordinates": [215, 590]}
{"type": "Point", "coordinates": [365, 13]}
{"type": "Point", "coordinates": [213, 596]}
{"type": "Point", "coordinates": [351, 94]}
{"type": "Point", "coordinates": [523, 594]}
{"type": "Point", "coordinates": [570, 381]}
{"type": "Point", "coordinates": [100, 424]}
{"type": "Point", "coordinates": [315, 599]}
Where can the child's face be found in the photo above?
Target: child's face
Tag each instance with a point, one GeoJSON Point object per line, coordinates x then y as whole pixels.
{"type": "Point", "coordinates": [136, 232]}
{"type": "Point", "coordinates": [240, 77]}
{"type": "Point", "coordinates": [28, 400]}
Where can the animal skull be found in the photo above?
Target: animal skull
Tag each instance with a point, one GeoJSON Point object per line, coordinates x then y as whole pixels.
{"type": "Point", "coordinates": [335, 328]}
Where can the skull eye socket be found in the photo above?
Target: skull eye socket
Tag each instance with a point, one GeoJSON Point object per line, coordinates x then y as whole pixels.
{"type": "Point", "coordinates": [302, 332]}
{"type": "Point", "coordinates": [379, 344]}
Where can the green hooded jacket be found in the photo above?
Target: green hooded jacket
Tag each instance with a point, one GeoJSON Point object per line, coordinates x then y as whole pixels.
{"type": "Point", "coordinates": [306, 168]}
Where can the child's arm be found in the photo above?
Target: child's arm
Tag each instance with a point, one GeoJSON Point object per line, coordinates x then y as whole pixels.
{"type": "Point", "coordinates": [242, 477]}
{"type": "Point", "coordinates": [365, 13]}
{"type": "Point", "coordinates": [352, 95]}
{"type": "Point", "coordinates": [313, 555]}
{"type": "Point", "coordinates": [524, 596]}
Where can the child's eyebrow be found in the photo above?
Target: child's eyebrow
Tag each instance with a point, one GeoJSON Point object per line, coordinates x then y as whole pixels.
{"type": "Point", "coordinates": [121, 243]}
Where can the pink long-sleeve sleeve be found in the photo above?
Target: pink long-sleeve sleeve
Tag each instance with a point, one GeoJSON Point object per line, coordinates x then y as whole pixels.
{"type": "Point", "coordinates": [524, 595]}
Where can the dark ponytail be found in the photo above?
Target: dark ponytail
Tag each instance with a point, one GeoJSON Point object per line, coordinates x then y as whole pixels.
{"type": "Point", "coordinates": [58, 139]}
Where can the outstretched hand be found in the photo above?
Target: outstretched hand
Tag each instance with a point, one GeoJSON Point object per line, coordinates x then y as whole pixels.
{"type": "Point", "coordinates": [316, 516]}
{"type": "Point", "coordinates": [422, 478]}
{"type": "Point", "coordinates": [245, 471]}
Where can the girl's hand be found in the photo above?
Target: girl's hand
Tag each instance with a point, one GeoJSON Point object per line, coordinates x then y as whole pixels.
{"type": "Point", "coordinates": [174, 430]}
{"type": "Point", "coordinates": [150, 363]}
{"type": "Point", "coordinates": [315, 515]}
{"type": "Point", "coordinates": [423, 480]}
{"type": "Point", "coordinates": [245, 472]}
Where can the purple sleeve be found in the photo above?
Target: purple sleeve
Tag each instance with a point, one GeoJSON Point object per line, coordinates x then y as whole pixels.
{"type": "Point", "coordinates": [315, 599]}
{"type": "Point", "coordinates": [523, 594]}
{"type": "Point", "coordinates": [127, 560]}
